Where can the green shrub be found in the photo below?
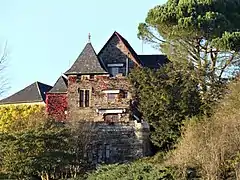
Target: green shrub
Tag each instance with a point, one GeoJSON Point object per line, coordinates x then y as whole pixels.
{"type": "Point", "coordinates": [136, 170]}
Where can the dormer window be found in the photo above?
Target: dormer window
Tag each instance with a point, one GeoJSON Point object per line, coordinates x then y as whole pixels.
{"type": "Point", "coordinates": [115, 68]}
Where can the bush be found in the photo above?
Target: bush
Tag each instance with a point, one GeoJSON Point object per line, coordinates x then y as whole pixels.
{"type": "Point", "coordinates": [136, 170]}
{"type": "Point", "coordinates": [212, 145]}
{"type": "Point", "coordinates": [40, 151]}
{"type": "Point", "coordinates": [37, 146]}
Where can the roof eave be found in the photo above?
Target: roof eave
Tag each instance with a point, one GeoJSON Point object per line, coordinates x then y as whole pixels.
{"type": "Point", "coordinates": [90, 73]}
{"type": "Point", "coordinates": [20, 102]}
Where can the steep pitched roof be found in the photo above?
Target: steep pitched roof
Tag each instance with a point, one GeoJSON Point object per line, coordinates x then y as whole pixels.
{"type": "Point", "coordinates": [126, 44]}
{"type": "Point", "coordinates": [60, 86]}
{"type": "Point", "coordinates": [153, 61]}
{"type": "Point", "coordinates": [87, 63]}
{"type": "Point", "coordinates": [36, 92]}
{"type": "Point", "coordinates": [129, 47]}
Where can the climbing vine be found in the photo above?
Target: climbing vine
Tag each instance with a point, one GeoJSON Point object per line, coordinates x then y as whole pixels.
{"type": "Point", "coordinates": [57, 106]}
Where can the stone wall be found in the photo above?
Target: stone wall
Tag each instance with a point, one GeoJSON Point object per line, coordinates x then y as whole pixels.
{"type": "Point", "coordinates": [113, 142]}
{"type": "Point", "coordinates": [118, 142]}
{"type": "Point", "coordinates": [98, 99]}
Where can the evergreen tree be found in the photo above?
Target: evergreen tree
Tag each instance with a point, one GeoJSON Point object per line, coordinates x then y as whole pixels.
{"type": "Point", "coordinates": [166, 98]}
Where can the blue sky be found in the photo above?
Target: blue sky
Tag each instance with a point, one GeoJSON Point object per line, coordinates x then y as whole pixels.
{"type": "Point", "coordinates": [46, 36]}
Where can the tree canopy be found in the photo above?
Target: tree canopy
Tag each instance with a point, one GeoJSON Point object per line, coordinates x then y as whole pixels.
{"type": "Point", "coordinates": [204, 32]}
{"type": "Point", "coordinates": [21, 117]}
{"type": "Point", "coordinates": [166, 98]}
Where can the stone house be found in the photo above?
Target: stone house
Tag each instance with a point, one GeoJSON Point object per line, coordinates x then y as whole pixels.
{"type": "Point", "coordinates": [96, 89]}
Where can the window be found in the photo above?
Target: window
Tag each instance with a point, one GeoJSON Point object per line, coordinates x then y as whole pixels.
{"type": "Point", "coordinates": [114, 71]}
{"type": "Point", "coordinates": [84, 98]}
{"type": "Point", "coordinates": [111, 96]}
{"type": "Point", "coordinates": [81, 98]}
{"type": "Point", "coordinates": [125, 94]}
{"type": "Point", "coordinates": [99, 154]}
{"type": "Point", "coordinates": [116, 68]}
{"type": "Point", "coordinates": [107, 151]}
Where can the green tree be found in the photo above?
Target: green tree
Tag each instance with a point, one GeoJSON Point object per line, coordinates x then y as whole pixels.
{"type": "Point", "coordinates": [203, 32]}
{"type": "Point", "coordinates": [19, 118]}
{"type": "Point", "coordinates": [40, 151]}
{"type": "Point", "coordinates": [166, 98]}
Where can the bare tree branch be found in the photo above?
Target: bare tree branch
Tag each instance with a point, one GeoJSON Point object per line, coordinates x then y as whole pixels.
{"type": "Point", "coordinates": [3, 61]}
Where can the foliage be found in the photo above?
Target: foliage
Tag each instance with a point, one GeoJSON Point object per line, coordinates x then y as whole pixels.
{"type": "Point", "coordinates": [16, 117]}
{"type": "Point", "coordinates": [31, 144]}
{"type": "Point", "coordinates": [57, 105]}
{"type": "Point", "coordinates": [166, 97]}
{"type": "Point", "coordinates": [212, 145]}
{"type": "Point", "coordinates": [136, 170]}
{"type": "Point", "coordinates": [204, 32]}
{"type": "Point", "coordinates": [40, 151]}
{"type": "Point", "coordinates": [82, 133]}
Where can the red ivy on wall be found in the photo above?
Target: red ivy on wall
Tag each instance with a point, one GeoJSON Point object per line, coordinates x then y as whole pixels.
{"type": "Point", "coordinates": [56, 106]}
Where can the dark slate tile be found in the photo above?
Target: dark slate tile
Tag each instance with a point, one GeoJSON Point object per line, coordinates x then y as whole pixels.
{"type": "Point", "coordinates": [35, 92]}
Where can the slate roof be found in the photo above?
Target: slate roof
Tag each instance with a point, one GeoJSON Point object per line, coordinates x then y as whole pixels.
{"type": "Point", "coordinates": [126, 44]}
{"type": "Point", "coordinates": [60, 86]}
{"type": "Point", "coordinates": [153, 61]}
{"type": "Point", "coordinates": [129, 47]}
{"type": "Point", "coordinates": [36, 92]}
{"type": "Point", "coordinates": [87, 63]}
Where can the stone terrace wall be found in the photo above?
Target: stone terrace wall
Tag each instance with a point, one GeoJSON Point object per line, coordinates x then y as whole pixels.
{"type": "Point", "coordinates": [124, 142]}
